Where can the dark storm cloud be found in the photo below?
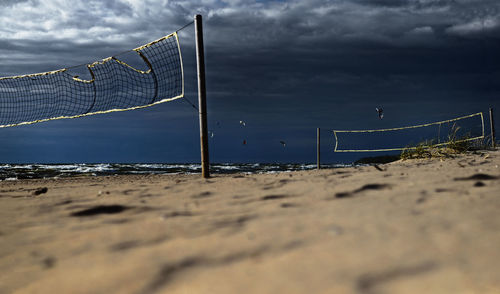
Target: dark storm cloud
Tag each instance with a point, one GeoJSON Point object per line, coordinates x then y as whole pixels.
{"type": "Point", "coordinates": [353, 38]}
{"type": "Point", "coordinates": [6, 3]}
{"type": "Point", "coordinates": [94, 29]}
{"type": "Point", "coordinates": [45, 35]}
{"type": "Point", "coordinates": [285, 65]}
{"type": "Point", "coordinates": [267, 47]}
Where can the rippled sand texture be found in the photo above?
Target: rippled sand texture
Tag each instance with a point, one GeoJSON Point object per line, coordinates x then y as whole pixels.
{"type": "Point", "coordinates": [424, 226]}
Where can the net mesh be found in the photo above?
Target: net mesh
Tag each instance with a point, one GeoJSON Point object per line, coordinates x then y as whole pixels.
{"type": "Point", "coordinates": [471, 128]}
{"type": "Point", "coordinates": [113, 85]}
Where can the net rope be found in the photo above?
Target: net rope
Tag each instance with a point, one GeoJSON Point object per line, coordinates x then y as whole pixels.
{"type": "Point", "coordinates": [113, 85]}
{"type": "Point", "coordinates": [335, 132]}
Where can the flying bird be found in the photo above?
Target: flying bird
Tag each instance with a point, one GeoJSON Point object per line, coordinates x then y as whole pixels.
{"type": "Point", "coordinates": [380, 112]}
{"type": "Point", "coordinates": [242, 123]}
{"type": "Point", "coordinates": [283, 143]}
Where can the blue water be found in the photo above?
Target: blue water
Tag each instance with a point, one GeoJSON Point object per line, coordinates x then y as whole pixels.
{"type": "Point", "coordinates": [40, 171]}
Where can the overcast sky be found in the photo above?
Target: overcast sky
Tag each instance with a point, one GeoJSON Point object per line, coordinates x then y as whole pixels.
{"type": "Point", "coordinates": [283, 67]}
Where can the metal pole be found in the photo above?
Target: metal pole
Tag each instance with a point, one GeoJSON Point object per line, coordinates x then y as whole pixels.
{"type": "Point", "coordinates": [318, 148]}
{"type": "Point", "coordinates": [492, 127]}
{"type": "Point", "coordinates": [202, 96]}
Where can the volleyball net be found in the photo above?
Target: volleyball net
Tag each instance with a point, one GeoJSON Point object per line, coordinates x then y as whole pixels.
{"type": "Point", "coordinates": [111, 84]}
{"type": "Point", "coordinates": [441, 133]}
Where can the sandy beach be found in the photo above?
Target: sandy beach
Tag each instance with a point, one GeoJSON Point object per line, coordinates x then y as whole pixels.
{"type": "Point", "coordinates": [416, 226]}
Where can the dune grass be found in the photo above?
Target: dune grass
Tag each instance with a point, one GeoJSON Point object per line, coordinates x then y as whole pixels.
{"type": "Point", "coordinates": [454, 145]}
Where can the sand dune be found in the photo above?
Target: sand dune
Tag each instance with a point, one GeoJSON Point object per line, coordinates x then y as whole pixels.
{"type": "Point", "coordinates": [419, 226]}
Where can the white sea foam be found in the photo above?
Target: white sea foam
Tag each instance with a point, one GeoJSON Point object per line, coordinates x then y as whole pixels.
{"type": "Point", "coordinates": [30, 171]}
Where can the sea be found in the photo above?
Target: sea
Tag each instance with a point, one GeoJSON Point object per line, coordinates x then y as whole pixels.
{"type": "Point", "coordinates": [12, 172]}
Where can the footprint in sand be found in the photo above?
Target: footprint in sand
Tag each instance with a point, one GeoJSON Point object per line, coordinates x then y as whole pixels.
{"type": "Point", "coordinates": [369, 282]}
{"type": "Point", "coordinates": [101, 209]}
{"type": "Point", "coordinates": [479, 184]}
{"type": "Point", "coordinates": [477, 177]}
{"type": "Point", "coordinates": [40, 191]}
{"type": "Point", "coordinates": [178, 214]}
{"type": "Point", "coordinates": [273, 197]}
{"type": "Point", "coordinates": [202, 195]}
{"type": "Point", "coordinates": [289, 205]}
{"type": "Point", "coordinates": [364, 188]}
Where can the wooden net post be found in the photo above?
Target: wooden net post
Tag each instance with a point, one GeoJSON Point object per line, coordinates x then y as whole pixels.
{"type": "Point", "coordinates": [318, 148]}
{"type": "Point", "coordinates": [202, 96]}
{"type": "Point", "coordinates": [492, 127]}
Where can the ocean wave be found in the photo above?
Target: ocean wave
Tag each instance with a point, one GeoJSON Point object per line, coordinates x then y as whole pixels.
{"type": "Point", "coordinates": [38, 171]}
